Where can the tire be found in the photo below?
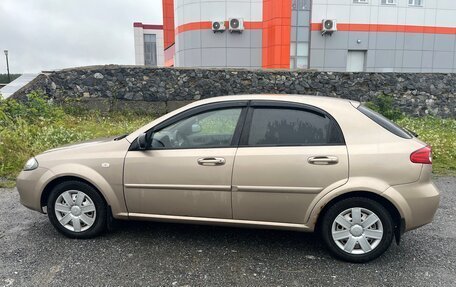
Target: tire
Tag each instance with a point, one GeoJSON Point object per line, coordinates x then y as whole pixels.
{"type": "Point", "coordinates": [85, 216]}
{"type": "Point", "coordinates": [351, 237]}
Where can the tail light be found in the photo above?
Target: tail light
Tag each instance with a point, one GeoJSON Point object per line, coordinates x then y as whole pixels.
{"type": "Point", "coordinates": [423, 155]}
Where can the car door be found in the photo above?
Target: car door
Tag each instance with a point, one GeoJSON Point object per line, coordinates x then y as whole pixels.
{"type": "Point", "coordinates": [288, 153]}
{"type": "Point", "coordinates": [187, 169]}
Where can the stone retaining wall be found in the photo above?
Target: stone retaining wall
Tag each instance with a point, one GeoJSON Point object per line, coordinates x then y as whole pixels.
{"type": "Point", "coordinates": [162, 89]}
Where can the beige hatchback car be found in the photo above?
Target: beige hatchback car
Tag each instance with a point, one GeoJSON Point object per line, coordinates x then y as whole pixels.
{"type": "Point", "coordinates": [292, 162]}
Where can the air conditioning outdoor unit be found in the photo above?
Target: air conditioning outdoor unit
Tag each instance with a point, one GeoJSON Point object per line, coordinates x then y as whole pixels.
{"type": "Point", "coordinates": [328, 26]}
{"type": "Point", "coordinates": [218, 26]}
{"type": "Point", "coordinates": [236, 25]}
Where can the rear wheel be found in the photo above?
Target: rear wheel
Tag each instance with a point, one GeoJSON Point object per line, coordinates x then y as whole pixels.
{"type": "Point", "coordinates": [357, 229]}
{"type": "Point", "coordinates": [77, 210]}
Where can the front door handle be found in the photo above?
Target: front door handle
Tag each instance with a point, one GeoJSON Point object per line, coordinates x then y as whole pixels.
{"type": "Point", "coordinates": [211, 161]}
{"type": "Point", "coordinates": [323, 160]}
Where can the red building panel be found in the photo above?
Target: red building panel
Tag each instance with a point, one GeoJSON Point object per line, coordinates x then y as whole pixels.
{"type": "Point", "coordinates": [276, 34]}
{"type": "Point", "coordinates": [168, 30]}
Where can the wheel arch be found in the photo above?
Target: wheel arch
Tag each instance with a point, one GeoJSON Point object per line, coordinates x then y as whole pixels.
{"type": "Point", "coordinates": [112, 193]}
{"type": "Point", "coordinates": [56, 181]}
{"type": "Point", "coordinates": [399, 224]}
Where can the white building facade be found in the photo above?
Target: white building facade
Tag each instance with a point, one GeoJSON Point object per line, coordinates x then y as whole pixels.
{"type": "Point", "coordinates": [360, 35]}
{"type": "Point", "coordinates": [149, 45]}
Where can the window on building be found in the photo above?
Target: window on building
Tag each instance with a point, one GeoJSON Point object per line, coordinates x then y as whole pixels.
{"type": "Point", "coordinates": [389, 2]}
{"type": "Point", "coordinates": [299, 55]}
{"type": "Point", "coordinates": [299, 44]}
{"type": "Point", "coordinates": [299, 5]}
{"type": "Point", "coordinates": [418, 3]}
{"type": "Point", "coordinates": [292, 63]}
{"type": "Point", "coordinates": [302, 49]}
{"type": "Point", "coordinates": [302, 53]}
{"type": "Point", "coordinates": [361, 1]}
{"type": "Point", "coordinates": [150, 50]}
{"type": "Point", "coordinates": [293, 49]}
{"type": "Point", "coordinates": [302, 62]}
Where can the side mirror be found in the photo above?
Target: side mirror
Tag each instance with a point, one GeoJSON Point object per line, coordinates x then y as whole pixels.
{"type": "Point", "coordinates": [196, 128]}
{"type": "Point", "coordinates": [142, 141]}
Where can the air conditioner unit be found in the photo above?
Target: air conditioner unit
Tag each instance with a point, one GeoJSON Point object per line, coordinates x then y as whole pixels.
{"type": "Point", "coordinates": [328, 26]}
{"type": "Point", "coordinates": [218, 26]}
{"type": "Point", "coordinates": [236, 25]}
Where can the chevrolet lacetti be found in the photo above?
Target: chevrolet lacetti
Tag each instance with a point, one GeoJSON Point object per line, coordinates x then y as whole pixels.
{"type": "Point", "coordinates": [272, 161]}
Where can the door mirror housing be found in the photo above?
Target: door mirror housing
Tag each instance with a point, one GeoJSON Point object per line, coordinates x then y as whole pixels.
{"type": "Point", "coordinates": [142, 141]}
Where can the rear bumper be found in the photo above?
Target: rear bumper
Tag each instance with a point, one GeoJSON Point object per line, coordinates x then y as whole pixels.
{"type": "Point", "coordinates": [417, 202]}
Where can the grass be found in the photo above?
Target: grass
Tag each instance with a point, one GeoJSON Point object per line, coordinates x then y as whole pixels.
{"type": "Point", "coordinates": [29, 128]}
{"type": "Point", "coordinates": [441, 135]}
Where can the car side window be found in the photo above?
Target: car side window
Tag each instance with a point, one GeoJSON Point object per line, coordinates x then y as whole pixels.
{"type": "Point", "coordinates": [208, 129]}
{"type": "Point", "coordinates": [287, 126]}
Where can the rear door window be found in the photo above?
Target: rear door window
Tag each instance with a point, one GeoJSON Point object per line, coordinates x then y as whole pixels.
{"type": "Point", "coordinates": [291, 127]}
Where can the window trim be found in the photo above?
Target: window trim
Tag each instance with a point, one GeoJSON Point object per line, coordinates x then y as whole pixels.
{"type": "Point", "coordinates": [244, 124]}
{"type": "Point", "coordinates": [271, 104]}
{"type": "Point", "coordinates": [243, 105]}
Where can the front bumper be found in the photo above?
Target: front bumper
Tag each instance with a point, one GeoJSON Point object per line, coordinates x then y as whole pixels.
{"type": "Point", "coordinates": [417, 202]}
{"type": "Point", "coordinates": [30, 185]}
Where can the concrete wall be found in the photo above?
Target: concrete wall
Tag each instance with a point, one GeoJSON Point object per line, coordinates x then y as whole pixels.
{"type": "Point", "coordinates": [157, 90]}
{"type": "Point", "coordinates": [416, 39]}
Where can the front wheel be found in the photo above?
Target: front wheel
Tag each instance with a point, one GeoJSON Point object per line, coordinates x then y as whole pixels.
{"type": "Point", "coordinates": [357, 229]}
{"type": "Point", "coordinates": [77, 210]}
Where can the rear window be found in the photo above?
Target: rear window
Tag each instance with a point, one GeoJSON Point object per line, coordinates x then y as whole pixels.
{"type": "Point", "coordinates": [385, 123]}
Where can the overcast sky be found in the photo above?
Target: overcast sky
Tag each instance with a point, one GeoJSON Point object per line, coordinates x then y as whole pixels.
{"type": "Point", "coordinates": [54, 34]}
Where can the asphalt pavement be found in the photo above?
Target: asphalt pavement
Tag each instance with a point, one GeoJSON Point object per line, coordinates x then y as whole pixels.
{"type": "Point", "coordinates": [32, 253]}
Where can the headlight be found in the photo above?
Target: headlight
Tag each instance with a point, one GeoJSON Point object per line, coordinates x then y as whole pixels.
{"type": "Point", "coordinates": [31, 164]}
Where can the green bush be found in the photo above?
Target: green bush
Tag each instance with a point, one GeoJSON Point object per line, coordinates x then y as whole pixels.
{"type": "Point", "coordinates": [36, 124]}
{"type": "Point", "coordinates": [4, 78]}
{"type": "Point", "coordinates": [440, 134]}
{"type": "Point", "coordinates": [384, 104]}
{"type": "Point", "coordinates": [37, 108]}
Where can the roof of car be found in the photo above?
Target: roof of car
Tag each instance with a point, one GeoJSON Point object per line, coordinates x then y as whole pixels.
{"type": "Point", "coordinates": [280, 97]}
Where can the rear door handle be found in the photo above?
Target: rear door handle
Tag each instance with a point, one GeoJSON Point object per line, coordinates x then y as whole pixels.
{"type": "Point", "coordinates": [211, 161]}
{"type": "Point", "coordinates": [323, 160]}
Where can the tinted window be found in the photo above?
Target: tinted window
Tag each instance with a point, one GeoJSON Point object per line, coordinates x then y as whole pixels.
{"type": "Point", "coordinates": [208, 129]}
{"type": "Point", "coordinates": [385, 123]}
{"type": "Point", "coordinates": [276, 126]}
